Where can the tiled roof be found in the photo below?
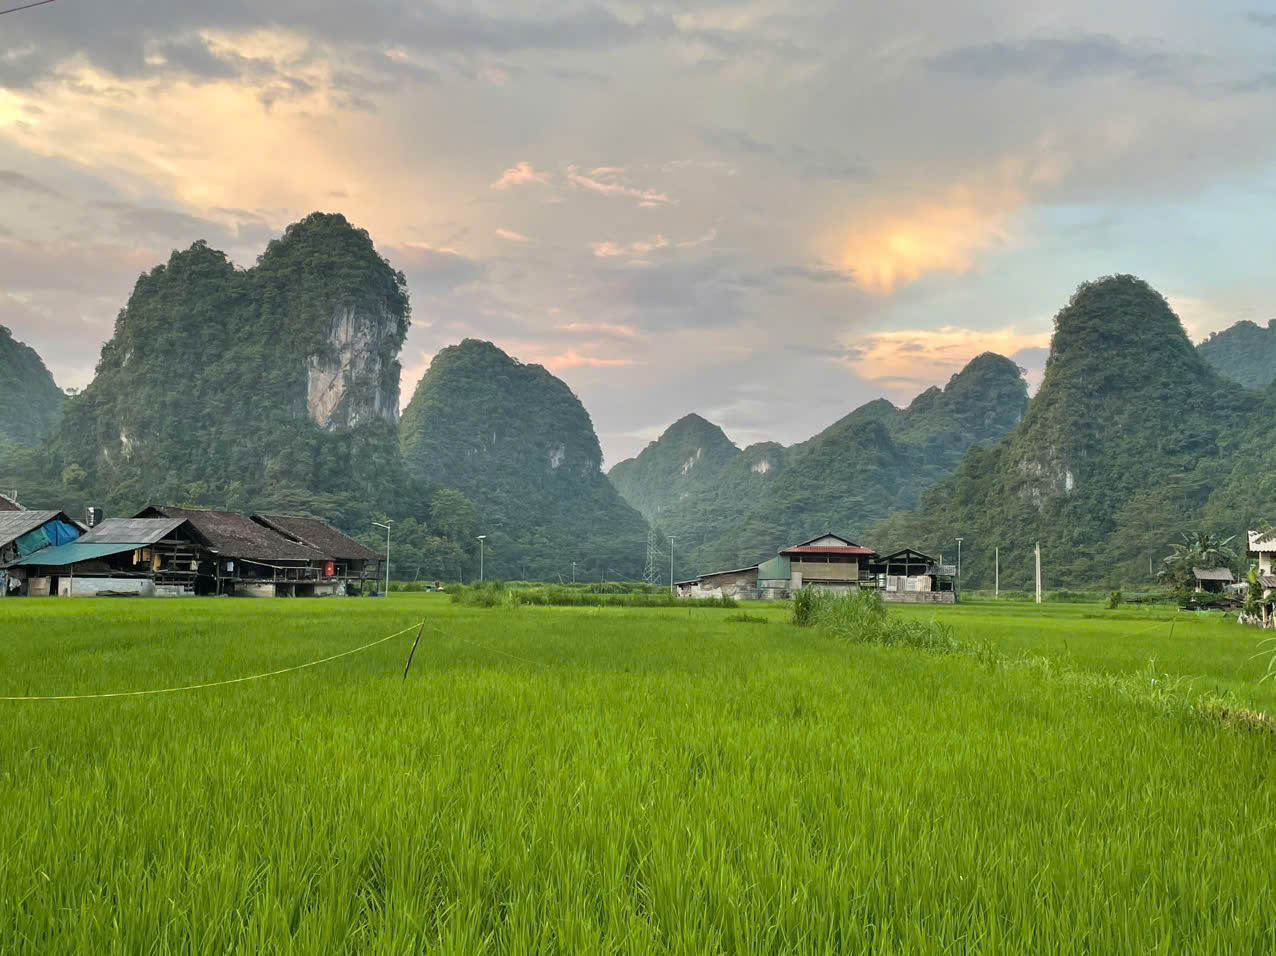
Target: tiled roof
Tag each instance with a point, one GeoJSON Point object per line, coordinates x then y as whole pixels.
{"type": "Point", "coordinates": [318, 534]}
{"type": "Point", "coordinates": [238, 536]}
{"type": "Point", "coordinates": [827, 549]}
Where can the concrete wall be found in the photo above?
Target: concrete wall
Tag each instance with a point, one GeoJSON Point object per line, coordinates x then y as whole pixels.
{"type": "Point", "coordinates": [243, 589]}
{"type": "Point", "coordinates": [919, 597]}
{"type": "Point", "coordinates": [89, 587]}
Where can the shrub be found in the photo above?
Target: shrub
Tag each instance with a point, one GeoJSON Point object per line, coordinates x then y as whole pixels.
{"type": "Point", "coordinates": [1114, 601]}
{"type": "Point", "coordinates": [861, 617]}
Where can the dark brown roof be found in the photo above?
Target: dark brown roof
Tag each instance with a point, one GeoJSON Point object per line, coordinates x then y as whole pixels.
{"type": "Point", "coordinates": [8, 504]}
{"type": "Point", "coordinates": [318, 534]}
{"type": "Point", "coordinates": [239, 536]}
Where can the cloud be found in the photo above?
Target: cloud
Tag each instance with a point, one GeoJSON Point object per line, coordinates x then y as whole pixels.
{"type": "Point", "coordinates": [809, 162]}
{"type": "Point", "coordinates": [606, 329]}
{"type": "Point", "coordinates": [573, 359]}
{"type": "Point", "coordinates": [1262, 19]}
{"type": "Point", "coordinates": [9, 179]}
{"type": "Point", "coordinates": [1063, 58]}
{"type": "Point", "coordinates": [434, 270]}
{"type": "Point", "coordinates": [510, 235]}
{"type": "Point", "coordinates": [520, 175]}
{"type": "Point", "coordinates": [609, 181]}
{"type": "Point", "coordinates": [887, 250]}
{"type": "Point", "coordinates": [610, 250]}
{"type": "Point", "coordinates": [1200, 316]}
{"type": "Point", "coordinates": [920, 357]}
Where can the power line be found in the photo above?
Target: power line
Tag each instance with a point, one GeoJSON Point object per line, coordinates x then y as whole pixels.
{"type": "Point", "coordinates": [28, 6]}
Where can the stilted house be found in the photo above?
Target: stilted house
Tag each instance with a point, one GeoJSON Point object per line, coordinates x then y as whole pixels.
{"type": "Point", "coordinates": [1212, 580]}
{"type": "Point", "coordinates": [145, 557]}
{"type": "Point", "coordinates": [351, 562]}
{"type": "Point", "coordinates": [23, 533]}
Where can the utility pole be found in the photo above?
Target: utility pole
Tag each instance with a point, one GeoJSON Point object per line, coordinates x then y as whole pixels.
{"type": "Point", "coordinates": [388, 522]}
{"type": "Point", "coordinates": [481, 539]}
{"type": "Point", "coordinates": [1038, 553]}
{"type": "Point", "coordinates": [996, 587]}
{"type": "Point", "coordinates": [573, 572]}
{"type": "Point", "coordinates": [959, 569]}
{"type": "Point", "coordinates": [671, 537]}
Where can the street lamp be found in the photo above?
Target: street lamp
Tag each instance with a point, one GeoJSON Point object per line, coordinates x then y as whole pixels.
{"type": "Point", "coordinates": [671, 537]}
{"type": "Point", "coordinates": [481, 539]}
{"type": "Point", "coordinates": [959, 569]}
{"type": "Point", "coordinates": [388, 522]}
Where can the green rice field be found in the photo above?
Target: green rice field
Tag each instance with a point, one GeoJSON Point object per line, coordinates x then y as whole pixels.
{"type": "Point", "coordinates": [626, 780]}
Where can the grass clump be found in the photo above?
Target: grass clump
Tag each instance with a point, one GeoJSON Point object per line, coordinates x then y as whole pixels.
{"type": "Point", "coordinates": [861, 617]}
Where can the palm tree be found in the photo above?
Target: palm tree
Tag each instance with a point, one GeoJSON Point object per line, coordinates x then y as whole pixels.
{"type": "Point", "coordinates": [1199, 549]}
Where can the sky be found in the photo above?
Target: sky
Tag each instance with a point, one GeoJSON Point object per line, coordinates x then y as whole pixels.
{"type": "Point", "coordinates": [764, 212]}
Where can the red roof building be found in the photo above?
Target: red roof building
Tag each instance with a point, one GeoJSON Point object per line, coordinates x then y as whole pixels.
{"type": "Point", "coordinates": [828, 560]}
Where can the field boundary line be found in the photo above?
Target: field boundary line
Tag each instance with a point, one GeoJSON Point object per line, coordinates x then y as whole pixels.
{"type": "Point", "coordinates": [219, 683]}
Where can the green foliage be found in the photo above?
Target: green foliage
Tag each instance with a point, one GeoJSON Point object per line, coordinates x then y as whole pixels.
{"type": "Point", "coordinates": [1198, 549]}
{"type": "Point", "coordinates": [1114, 601]}
{"type": "Point", "coordinates": [495, 594]}
{"type": "Point", "coordinates": [516, 441]}
{"type": "Point", "coordinates": [872, 462]}
{"type": "Point", "coordinates": [689, 455]}
{"type": "Point", "coordinates": [861, 617]}
{"type": "Point", "coordinates": [29, 400]}
{"type": "Point", "coordinates": [1245, 353]}
{"type": "Point", "coordinates": [1131, 438]}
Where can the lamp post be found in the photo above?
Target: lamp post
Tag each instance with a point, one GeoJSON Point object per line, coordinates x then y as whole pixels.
{"type": "Point", "coordinates": [387, 524]}
{"type": "Point", "coordinates": [959, 569]}
{"type": "Point", "coordinates": [671, 537]}
{"type": "Point", "coordinates": [481, 539]}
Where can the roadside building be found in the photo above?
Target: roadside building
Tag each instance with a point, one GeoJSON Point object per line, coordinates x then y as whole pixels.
{"type": "Point", "coordinates": [23, 533]}
{"type": "Point", "coordinates": [742, 584]}
{"type": "Point", "coordinates": [911, 577]}
{"type": "Point", "coordinates": [830, 562]}
{"type": "Point", "coordinates": [1262, 548]}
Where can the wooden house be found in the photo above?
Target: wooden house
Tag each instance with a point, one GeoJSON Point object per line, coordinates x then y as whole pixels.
{"type": "Point", "coordinates": [24, 533]}
{"type": "Point", "coordinates": [829, 561]}
{"type": "Point", "coordinates": [911, 577]}
{"type": "Point", "coordinates": [349, 562]}
{"type": "Point", "coordinates": [1212, 580]}
{"type": "Point", "coordinates": [1262, 548]}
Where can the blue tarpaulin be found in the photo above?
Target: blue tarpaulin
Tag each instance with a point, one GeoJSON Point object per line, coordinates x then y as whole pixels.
{"type": "Point", "coordinates": [51, 534]}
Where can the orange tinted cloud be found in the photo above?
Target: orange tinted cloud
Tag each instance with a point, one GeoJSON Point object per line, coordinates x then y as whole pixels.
{"type": "Point", "coordinates": [918, 356]}
{"type": "Point", "coordinates": [896, 248]}
{"type": "Point", "coordinates": [520, 175]}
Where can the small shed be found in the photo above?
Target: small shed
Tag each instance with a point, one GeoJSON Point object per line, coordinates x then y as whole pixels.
{"type": "Point", "coordinates": [1213, 580]}
{"type": "Point", "coordinates": [739, 583]}
{"type": "Point", "coordinates": [23, 533]}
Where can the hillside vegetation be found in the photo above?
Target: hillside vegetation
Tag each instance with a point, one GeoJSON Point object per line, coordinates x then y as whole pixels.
{"type": "Point", "coordinates": [29, 399]}
{"type": "Point", "coordinates": [1245, 353]}
{"type": "Point", "coordinates": [874, 461]}
{"type": "Point", "coordinates": [518, 443]}
{"type": "Point", "coordinates": [1132, 439]}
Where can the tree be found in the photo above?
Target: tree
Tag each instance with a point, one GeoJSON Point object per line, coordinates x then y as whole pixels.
{"type": "Point", "coordinates": [1199, 549]}
{"type": "Point", "coordinates": [452, 516]}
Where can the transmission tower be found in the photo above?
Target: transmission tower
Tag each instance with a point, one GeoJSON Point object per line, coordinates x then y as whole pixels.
{"type": "Point", "coordinates": [654, 571]}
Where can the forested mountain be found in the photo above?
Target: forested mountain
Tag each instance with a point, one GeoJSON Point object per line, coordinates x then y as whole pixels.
{"type": "Point", "coordinates": [29, 399]}
{"type": "Point", "coordinates": [518, 443]}
{"type": "Point", "coordinates": [874, 461]}
{"type": "Point", "coordinates": [1132, 439]}
{"type": "Point", "coordinates": [690, 454]}
{"type": "Point", "coordinates": [274, 387]}
{"type": "Point", "coordinates": [1245, 353]}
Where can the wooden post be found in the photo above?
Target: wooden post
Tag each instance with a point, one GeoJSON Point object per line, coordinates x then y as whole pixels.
{"type": "Point", "coordinates": [1038, 553]}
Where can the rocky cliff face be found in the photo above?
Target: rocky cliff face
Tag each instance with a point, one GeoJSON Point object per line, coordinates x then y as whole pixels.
{"type": "Point", "coordinates": [351, 380]}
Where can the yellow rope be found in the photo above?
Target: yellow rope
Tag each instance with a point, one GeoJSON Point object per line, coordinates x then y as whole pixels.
{"type": "Point", "coordinates": [220, 683]}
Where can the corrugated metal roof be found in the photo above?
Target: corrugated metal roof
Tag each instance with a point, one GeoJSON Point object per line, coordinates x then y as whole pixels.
{"type": "Point", "coordinates": [1260, 541]}
{"type": "Point", "coordinates": [238, 536]}
{"type": "Point", "coordinates": [73, 553]}
{"type": "Point", "coordinates": [14, 524]}
{"type": "Point", "coordinates": [1267, 580]}
{"type": "Point", "coordinates": [904, 552]}
{"type": "Point", "coordinates": [321, 536]}
{"type": "Point", "coordinates": [1212, 574]}
{"type": "Point", "coordinates": [135, 531]}
{"type": "Point", "coordinates": [827, 549]}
